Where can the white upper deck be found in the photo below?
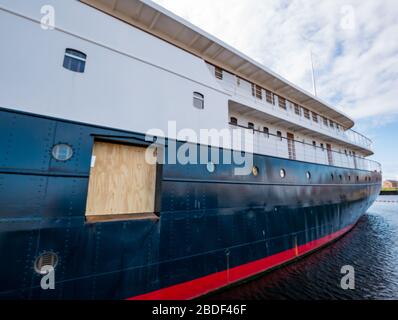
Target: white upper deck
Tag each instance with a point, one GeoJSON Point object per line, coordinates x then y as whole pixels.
{"type": "Point", "coordinates": [158, 21]}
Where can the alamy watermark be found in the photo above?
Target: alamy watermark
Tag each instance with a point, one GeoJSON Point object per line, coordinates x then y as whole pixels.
{"type": "Point", "coordinates": [237, 147]}
{"type": "Point", "coordinates": [48, 279]}
{"type": "Point", "coordinates": [47, 22]}
{"type": "Point", "coordinates": [347, 282]}
{"type": "Point", "coordinates": [348, 18]}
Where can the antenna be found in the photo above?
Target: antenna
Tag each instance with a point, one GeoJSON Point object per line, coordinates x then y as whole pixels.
{"type": "Point", "coordinates": [312, 63]}
{"type": "Point", "coordinates": [313, 74]}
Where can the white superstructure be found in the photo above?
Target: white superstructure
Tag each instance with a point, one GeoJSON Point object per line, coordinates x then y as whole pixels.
{"type": "Point", "coordinates": [143, 67]}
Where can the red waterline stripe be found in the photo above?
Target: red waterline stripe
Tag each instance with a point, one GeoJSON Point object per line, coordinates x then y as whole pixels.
{"type": "Point", "coordinates": [206, 284]}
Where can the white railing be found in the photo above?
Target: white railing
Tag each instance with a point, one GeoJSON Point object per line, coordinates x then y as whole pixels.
{"type": "Point", "coordinates": [243, 89]}
{"type": "Point", "coordinates": [272, 145]}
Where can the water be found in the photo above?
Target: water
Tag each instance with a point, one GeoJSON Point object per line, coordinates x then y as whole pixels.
{"type": "Point", "coordinates": [371, 248]}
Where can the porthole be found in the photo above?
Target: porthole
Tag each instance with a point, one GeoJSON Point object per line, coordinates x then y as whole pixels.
{"type": "Point", "coordinates": [282, 173]}
{"type": "Point", "coordinates": [62, 152]}
{"type": "Point", "coordinates": [255, 171]}
{"type": "Point", "coordinates": [308, 175]}
{"type": "Point", "coordinates": [45, 259]}
{"type": "Point", "coordinates": [211, 167]}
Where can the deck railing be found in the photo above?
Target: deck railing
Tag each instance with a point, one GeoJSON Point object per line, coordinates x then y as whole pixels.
{"type": "Point", "coordinates": [242, 88]}
{"type": "Point", "coordinates": [273, 145]}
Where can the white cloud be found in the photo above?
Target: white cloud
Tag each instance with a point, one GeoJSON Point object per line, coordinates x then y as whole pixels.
{"type": "Point", "coordinates": [355, 44]}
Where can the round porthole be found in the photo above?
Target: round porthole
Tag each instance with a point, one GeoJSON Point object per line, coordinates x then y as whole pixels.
{"type": "Point", "coordinates": [255, 171]}
{"type": "Point", "coordinates": [45, 259]}
{"type": "Point", "coordinates": [62, 152]}
{"type": "Point", "coordinates": [308, 175]}
{"type": "Point", "coordinates": [210, 167]}
{"type": "Point", "coordinates": [282, 173]}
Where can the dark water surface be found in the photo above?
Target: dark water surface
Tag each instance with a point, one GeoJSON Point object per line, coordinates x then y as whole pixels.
{"type": "Point", "coordinates": [371, 248]}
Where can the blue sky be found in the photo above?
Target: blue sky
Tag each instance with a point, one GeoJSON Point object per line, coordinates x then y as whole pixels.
{"type": "Point", "coordinates": [354, 45]}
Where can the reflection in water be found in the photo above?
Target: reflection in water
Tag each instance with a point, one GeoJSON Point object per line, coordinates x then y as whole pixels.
{"type": "Point", "coordinates": [371, 248]}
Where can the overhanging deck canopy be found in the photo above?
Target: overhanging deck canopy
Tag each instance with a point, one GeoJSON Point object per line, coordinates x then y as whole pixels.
{"type": "Point", "coordinates": [162, 23]}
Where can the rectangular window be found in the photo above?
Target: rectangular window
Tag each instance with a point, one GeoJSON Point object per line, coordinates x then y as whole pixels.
{"type": "Point", "coordinates": [256, 91]}
{"type": "Point", "coordinates": [234, 121]}
{"type": "Point", "coordinates": [315, 117]}
{"type": "Point", "coordinates": [218, 73]}
{"type": "Point", "coordinates": [270, 97]}
{"type": "Point", "coordinates": [325, 121]}
{"type": "Point", "coordinates": [75, 60]}
{"type": "Point", "coordinates": [297, 109]}
{"type": "Point", "coordinates": [306, 113]}
{"type": "Point", "coordinates": [331, 124]}
{"type": "Point", "coordinates": [198, 100]}
{"type": "Point", "coordinates": [282, 103]}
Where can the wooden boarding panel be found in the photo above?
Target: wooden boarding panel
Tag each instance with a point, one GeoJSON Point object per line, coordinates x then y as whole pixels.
{"type": "Point", "coordinates": [121, 181]}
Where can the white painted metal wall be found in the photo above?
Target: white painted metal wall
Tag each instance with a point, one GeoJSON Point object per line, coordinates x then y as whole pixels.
{"type": "Point", "coordinates": [133, 81]}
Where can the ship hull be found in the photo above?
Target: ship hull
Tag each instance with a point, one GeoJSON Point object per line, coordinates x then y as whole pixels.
{"type": "Point", "coordinates": [211, 230]}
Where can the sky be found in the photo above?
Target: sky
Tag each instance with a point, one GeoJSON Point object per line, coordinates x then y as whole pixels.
{"type": "Point", "coordinates": [354, 46]}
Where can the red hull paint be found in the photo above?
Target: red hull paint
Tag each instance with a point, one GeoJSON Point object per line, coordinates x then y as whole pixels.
{"type": "Point", "coordinates": [201, 286]}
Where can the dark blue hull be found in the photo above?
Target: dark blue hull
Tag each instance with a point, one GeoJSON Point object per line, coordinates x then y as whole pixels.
{"type": "Point", "coordinates": [241, 220]}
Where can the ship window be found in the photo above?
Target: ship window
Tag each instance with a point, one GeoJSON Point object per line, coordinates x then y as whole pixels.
{"type": "Point", "coordinates": [349, 178]}
{"type": "Point", "coordinates": [331, 124]}
{"type": "Point", "coordinates": [314, 144]}
{"type": "Point", "coordinates": [266, 131]}
{"type": "Point", "coordinates": [322, 146]}
{"type": "Point", "coordinates": [218, 73]}
{"type": "Point", "coordinates": [357, 179]}
{"type": "Point", "coordinates": [315, 117]}
{"type": "Point", "coordinates": [75, 60]}
{"type": "Point", "coordinates": [332, 176]}
{"type": "Point", "coordinates": [257, 91]}
{"type": "Point", "coordinates": [234, 121]}
{"type": "Point", "coordinates": [269, 96]}
{"type": "Point", "coordinates": [306, 113]}
{"type": "Point", "coordinates": [325, 121]}
{"type": "Point", "coordinates": [62, 152]}
{"type": "Point", "coordinates": [308, 175]}
{"type": "Point", "coordinates": [282, 173]}
{"type": "Point", "coordinates": [250, 125]}
{"type": "Point", "coordinates": [341, 177]}
{"type": "Point", "coordinates": [279, 134]}
{"type": "Point", "coordinates": [282, 103]}
{"type": "Point", "coordinates": [198, 100]}
{"type": "Point", "coordinates": [297, 110]}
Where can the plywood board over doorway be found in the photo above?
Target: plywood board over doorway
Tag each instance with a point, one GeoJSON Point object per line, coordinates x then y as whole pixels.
{"type": "Point", "coordinates": [122, 182]}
